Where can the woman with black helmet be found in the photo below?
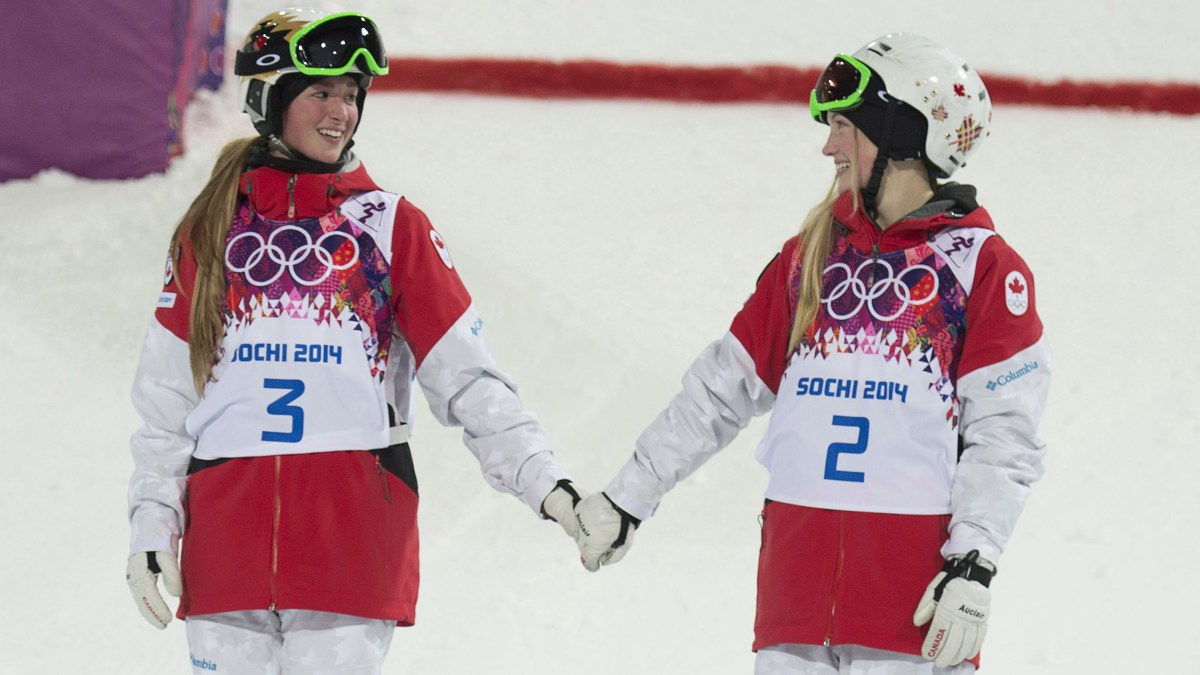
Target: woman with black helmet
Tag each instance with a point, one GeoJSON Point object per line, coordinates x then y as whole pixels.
{"type": "Point", "coordinates": [896, 343]}
{"type": "Point", "coordinates": [300, 304]}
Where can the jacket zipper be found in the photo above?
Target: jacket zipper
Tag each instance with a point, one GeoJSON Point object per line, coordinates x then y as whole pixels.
{"type": "Point", "coordinates": [837, 576]}
{"type": "Point", "coordinates": [387, 493]}
{"type": "Point", "coordinates": [275, 536]}
{"type": "Point", "coordinates": [292, 197]}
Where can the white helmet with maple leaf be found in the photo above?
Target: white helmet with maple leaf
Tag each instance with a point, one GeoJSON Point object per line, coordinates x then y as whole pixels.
{"type": "Point", "coordinates": [940, 85]}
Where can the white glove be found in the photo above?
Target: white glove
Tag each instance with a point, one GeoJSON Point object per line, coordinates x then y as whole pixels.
{"type": "Point", "coordinates": [605, 531]}
{"type": "Point", "coordinates": [141, 573]}
{"type": "Point", "coordinates": [559, 506]}
{"type": "Point", "coordinates": [958, 603]}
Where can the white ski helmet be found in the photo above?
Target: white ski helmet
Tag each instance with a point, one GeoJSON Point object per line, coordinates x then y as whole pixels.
{"type": "Point", "coordinates": [930, 78]}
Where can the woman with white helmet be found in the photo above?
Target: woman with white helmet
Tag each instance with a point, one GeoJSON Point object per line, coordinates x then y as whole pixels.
{"type": "Point", "coordinates": [300, 305]}
{"type": "Point", "coordinates": [896, 342]}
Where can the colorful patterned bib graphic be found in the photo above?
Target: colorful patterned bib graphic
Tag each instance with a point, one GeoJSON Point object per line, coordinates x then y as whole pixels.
{"type": "Point", "coordinates": [326, 269]}
{"type": "Point", "coordinates": [904, 306]}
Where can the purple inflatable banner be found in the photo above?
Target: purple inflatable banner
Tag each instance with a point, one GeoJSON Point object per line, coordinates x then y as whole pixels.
{"type": "Point", "coordinates": [105, 86]}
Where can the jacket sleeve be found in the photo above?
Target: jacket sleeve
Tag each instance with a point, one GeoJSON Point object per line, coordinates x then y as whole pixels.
{"type": "Point", "coordinates": [732, 381]}
{"type": "Point", "coordinates": [1003, 382]}
{"type": "Point", "coordinates": [457, 370]}
{"type": "Point", "coordinates": [163, 396]}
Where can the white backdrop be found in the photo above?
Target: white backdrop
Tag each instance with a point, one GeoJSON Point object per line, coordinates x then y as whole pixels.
{"type": "Point", "coordinates": [606, 243]}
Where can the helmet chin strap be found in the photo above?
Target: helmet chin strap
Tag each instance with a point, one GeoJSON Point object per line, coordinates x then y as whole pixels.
{"type": "Point", "coordinates": [870, 193]}
{"type": "Point", "coordinates": [280, 155]}
{"type": "Point", "coordinates": [276, 144]}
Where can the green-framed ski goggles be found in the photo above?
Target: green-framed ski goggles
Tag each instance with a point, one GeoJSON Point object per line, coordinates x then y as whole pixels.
{"type": "Point", "coordinates": [839, 88]}
{"type": "Point", "coordinates": [332, 44]}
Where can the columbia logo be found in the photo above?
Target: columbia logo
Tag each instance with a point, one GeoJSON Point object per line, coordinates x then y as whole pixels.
{"type": "Point", "coordinates": [204, 664]}
{"type": "Point", "coordinates": [1012, 376]}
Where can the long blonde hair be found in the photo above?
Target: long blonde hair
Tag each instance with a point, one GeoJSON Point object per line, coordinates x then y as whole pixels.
{"type": "Point", "coordinates": [206, 225]}
{"type": "Point", "coordinates": [817, 235]}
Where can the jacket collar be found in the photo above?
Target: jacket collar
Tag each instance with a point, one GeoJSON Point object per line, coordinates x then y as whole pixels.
{"type": "Point", "coordinates": [953, 205]}
{"type": "Point", "coordinates": [282, 195]}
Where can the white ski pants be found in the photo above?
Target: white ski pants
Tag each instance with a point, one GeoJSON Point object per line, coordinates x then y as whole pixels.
{"type": "Point", "coordinates": [792, 659]}
{"type": "Point", "coordinates": [288, 642]}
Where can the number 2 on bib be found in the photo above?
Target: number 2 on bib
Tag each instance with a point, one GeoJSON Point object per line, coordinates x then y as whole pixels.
{"type": "Point", "coordinates": [858, 447]}
{"type": "Point", "coordinates": [283, 406]}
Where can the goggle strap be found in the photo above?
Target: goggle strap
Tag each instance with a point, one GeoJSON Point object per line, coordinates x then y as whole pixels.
{"type": "Point", "coordinates": [249, 63]}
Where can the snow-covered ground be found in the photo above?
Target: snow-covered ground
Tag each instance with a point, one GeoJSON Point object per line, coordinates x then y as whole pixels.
{"type": "Point", "coordinates": [606, 243]}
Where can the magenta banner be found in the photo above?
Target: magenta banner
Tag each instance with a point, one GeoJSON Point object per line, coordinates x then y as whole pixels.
{"type": "Point", "coordinates": [104, 84]}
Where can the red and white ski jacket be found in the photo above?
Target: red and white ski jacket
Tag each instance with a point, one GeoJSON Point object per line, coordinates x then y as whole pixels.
{"type": "Point", "coordinates": [340, 296]}
{"type": "Point", "coordinates": [911, 406]}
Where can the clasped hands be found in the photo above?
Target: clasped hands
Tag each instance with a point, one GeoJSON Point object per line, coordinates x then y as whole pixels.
{"type": "Point", "coordinates": [956, 604]}
{"type": "Point", "coordinates": [601, 529]}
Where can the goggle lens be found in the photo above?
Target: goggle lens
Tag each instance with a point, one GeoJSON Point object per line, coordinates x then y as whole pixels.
{"type": "Point", "coordinates": [332, 45]}
{"type": "Point", "coordinates": [840, 86]}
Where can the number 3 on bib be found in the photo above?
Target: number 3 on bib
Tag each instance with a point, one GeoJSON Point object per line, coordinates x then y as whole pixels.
{"type": "Point", "coordinates": [858, 447]}
{"type": "Point", "coordinates": [282, 406]}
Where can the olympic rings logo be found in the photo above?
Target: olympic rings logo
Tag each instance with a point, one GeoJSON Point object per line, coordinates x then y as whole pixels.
{"type": "Point", "coordinates": [289, 262]}
{"type": "Point", "coordinates": [865, 295]}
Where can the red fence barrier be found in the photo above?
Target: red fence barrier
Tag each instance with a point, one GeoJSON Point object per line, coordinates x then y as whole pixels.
{"type": "Point", "coordinates": [731, 84]}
